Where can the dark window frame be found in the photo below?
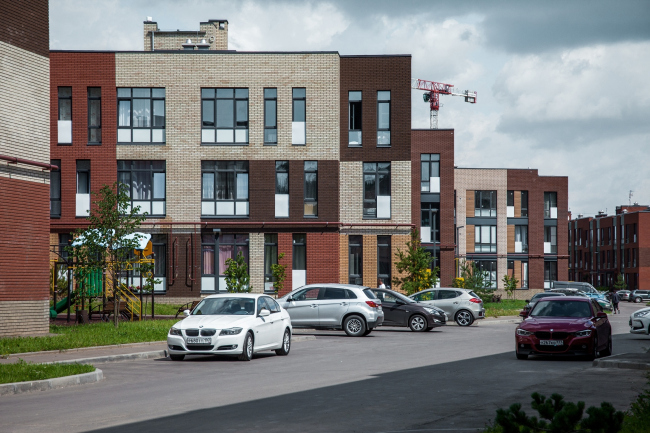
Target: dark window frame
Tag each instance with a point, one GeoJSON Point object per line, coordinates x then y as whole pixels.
{"type": "Point", "coordinates": [478, 199]}
{"type": "Point", "coordinates": [550, 198]}
{"type": "Point", "coordinates": [235, 167]}
{"type": "Point", "coordinates": [548, 234]}
{"type": "Point", "coordinates": [510, 198]}
{"type": "Point", "coordinates": [59, 107]}
{"type": "Point", "coordinates": [131, 125]}
{"type": "Point", "coordinates": [491, 245]}
{"type": "Point", "coordinates": [129, 167]}
{"type": "Point", "coordinates": [524, 199]}
{"type": "Point", "coordinates": [97, 128]}
{"type": "Point", "coordinates": [270, 242]}
{"type": "Point", "coordinates": [293, 110]}
{"type": "Point", "coordinates": [376, 173]}
{"type": "Point", "coordinates": [312, 201]}
{"type": "Point", "coordinates": [384, 242]}
{"type": "Point", "coordinates": [216, 244]}
{"type": "Point", "coordinates": [55, 179]}
{"type": "Point", "coordinates": [355, 110]}
{"type": "Point", "coordinates": [235, 127]}
{"type": "Point", "coordinates": [428, 160]}
{"type": "Point", "coordinates": [434, 218]}
{"type": "Point", "coordinates": [270, 128]}
{"type": "Point", "coordinates": [83, 170]}
{"type": "Point", "coordinates": [550, 271]}
{"type": "Point", "coordinates": [492, 264]}
{"type": "Point", "coordinates": [390, 115]}
{"type": "Point", "coordinates": [524, 242]}
{"type": "Point", "coordinates": [355, 241]}
{"type": "Point", "coordinates": [295, 253]}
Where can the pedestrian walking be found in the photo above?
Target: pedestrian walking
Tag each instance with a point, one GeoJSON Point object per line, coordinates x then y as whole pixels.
{"type": "Point", "coordinates": [615, 300]}
{"type": "Point", "coordinates": [381, 284]}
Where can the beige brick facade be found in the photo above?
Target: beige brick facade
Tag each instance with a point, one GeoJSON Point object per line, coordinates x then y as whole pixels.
{"type": "Point", "coordinates": [183, 76]}
{"type": "Point", "coordinates": [24, 318]}
{"type": "Point", "coordinates": [351, 193]}
{"type": "Point", "coordinates": [256, 261]}
{"type": "Point", "coordinates": [466, 181]}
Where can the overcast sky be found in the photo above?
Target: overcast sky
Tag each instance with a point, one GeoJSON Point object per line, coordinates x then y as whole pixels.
{"type": "Point", "coordinates": [563, 86]}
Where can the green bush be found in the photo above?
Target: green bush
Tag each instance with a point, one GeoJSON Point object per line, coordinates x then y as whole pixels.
{"type": "Point", "coordinates": [637, 419]}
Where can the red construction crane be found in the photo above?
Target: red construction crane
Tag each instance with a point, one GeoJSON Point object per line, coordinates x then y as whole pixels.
{"type": "Point", "coordinates": [432, 96]}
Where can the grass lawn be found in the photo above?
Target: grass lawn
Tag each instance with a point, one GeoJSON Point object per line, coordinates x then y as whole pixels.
{"type": "Point", "coordinates": [507, 307]}
{"type": "Point", "coordinates": [161, 309]}
{"type": "Point", "coordinates": [94, 334]}
{"type": "Point", "coordinates": [22, 371]}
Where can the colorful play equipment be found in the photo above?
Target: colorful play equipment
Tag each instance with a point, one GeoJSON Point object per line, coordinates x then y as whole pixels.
{"type": "Point", "coordinates": [94, 285]}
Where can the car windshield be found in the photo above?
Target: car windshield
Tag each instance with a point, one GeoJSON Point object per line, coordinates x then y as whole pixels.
{"type": "Point", "coordinates": [225, 307]}
{"type": "Point", "coordinates": [400, 297]}
{"type": "Point", "coordinates": [561, 309]}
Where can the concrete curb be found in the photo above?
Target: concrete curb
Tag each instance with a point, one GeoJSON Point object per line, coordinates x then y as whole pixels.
{"type": "Point", "coordinates": [57, 382]}
{"type": "Point", "coordinates": [614, 362]}
{"type": "Point", "coordinates": [114, 358]}
{"type": "Point", "coordinates": [81, 349]}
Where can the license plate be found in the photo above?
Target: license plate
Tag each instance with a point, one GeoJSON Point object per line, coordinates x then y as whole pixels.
{"type": "Point", "coordinates": [198, 340]}
{"type": "Point", "coordinates": [551, 342]}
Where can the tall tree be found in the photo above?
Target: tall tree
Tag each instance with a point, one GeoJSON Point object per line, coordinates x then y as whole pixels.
{"type": "Point", "coordinates": [415, 264]}
{"type": "Point", "coordinates": [110, 238]}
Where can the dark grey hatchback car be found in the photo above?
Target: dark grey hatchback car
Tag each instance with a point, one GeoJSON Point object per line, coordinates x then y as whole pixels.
{"type": "Point", "coordinates": [402, 311]}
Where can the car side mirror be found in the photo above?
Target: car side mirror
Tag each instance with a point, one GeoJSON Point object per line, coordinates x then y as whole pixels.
{"type": "Point", "coordinates": [527, 301]}
{"type": "Point", "coordinates": [289, 299]}
{"type": "Point", "coordinates": [264, 312]}
{"type": "Point", "coordinates": [601, 315]}
{"type": "Point", "coordinates": [186, 313]}
{"type": "Point", "coordinates": [523, 313]}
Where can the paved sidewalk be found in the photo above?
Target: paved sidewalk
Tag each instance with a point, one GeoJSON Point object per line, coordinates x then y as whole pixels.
{"type": "Point", "coordinates": [635, 361]}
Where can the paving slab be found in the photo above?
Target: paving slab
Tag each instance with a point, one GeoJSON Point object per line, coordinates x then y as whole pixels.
{"type": "Point", "coordinates": [634, 361]}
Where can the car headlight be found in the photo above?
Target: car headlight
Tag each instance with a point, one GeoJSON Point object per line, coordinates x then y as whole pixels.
{"type": "Point", "coordinates": [585, 333]}
{"type": "Point", "coordinates": [230, 331]}
{"type": "Point", "coordinates": [523, 332]}
{"type": "Point", "coordinates": [432, 311]}
{"type": "Point", "coordinates": [175, 331]}
{"type": "Point", "coordinates": [641, 313]}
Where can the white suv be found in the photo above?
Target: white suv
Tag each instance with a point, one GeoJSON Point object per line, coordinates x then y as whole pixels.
{"type": "Point", "coordinates": [355, 309]}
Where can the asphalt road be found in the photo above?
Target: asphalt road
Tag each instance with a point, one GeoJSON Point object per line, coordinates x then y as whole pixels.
{"type": "Point", "coordinates": [450, 379]}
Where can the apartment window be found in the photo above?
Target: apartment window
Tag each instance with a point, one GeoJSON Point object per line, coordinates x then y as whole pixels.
{"type": "Point", "coordinates": [354, 124]}
{"type": "Point", "coordinates": [550, 240]}
{"type": "Point", "coordinates": [64, 124]}
{"type": "Point", "coordinates": [430, 223]}
{"type": "Point", "coordinates": [215, 250]}
{"type": "Point", "coordinates": [376, 190]}
{"type": "Point", "coordinates": [55, 190]}
{"type": "Point", "coordinates": [550, 205]}
{"type": "Point", "coordinates": [224, 188]}
{"type": "Point", "coordinates": [224, 116]}
{"type": "Point", "coordinates": [550, 273]}
{"type": "Point", "coordinates": [141, 115]}
{"type": "Point", "coordinates": [299, 116]}
{"type": "Point", "coordinates": [521, 239]}
{"type": "Point", "coordinates": [485, 239]}
{"type": "Point", "coordinates": [145, 184]}
{"type": "Point", "coordinates": [383, 260]}
{"type": "Point", "coordinates": [83, 188]}
{"type": "Point", "coordinates": [489, 270]}
{"type": "Point", "coordinates": [311, 188]}
{"type": "Point", "coordinates": [524, 204]}
{"type": "Point", "coordinates": [270, 259]}
{"type": "Point", "coordinates": [299, 266]}
{"type": "Point", "coordinates": [430, 172]}
{"type": "Point", "coordinates": [634, 232]}
{"type": "Point", "coordinates": [270, 116]}
{"type": "Point", "coordinates": [65, 240]}
{"type": "Point", "coordinates": [485, 203]}
{"type": "Point", "coordinates": [282, 189]}
{"type": "Point", "coordinates": [159, 244]}
{"type": "Point", "coordinates": [94, 115]}
{"type": "Point", "coordinates": [383, 118]}
{"type": "Point", "coordinates": [355, 262]}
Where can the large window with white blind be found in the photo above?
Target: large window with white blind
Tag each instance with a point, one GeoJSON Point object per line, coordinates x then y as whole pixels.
{"type": "Point", "coordinates": [224, 117]}
{"type": "Point", "coordinates": [140, 115]}
{"type": "Point", "coordinates": [224, 188]}
{"type": "Point", "coordinates": [145, 184]}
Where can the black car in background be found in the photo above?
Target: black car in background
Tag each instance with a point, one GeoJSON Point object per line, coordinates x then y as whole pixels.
{"type": "Point", "coordinates": [402, 311]}
{"type": "Point", "coordinates": [531, 303]}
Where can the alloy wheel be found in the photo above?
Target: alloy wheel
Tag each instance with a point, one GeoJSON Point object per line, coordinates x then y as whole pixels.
{"type": "Point", "coordinates": [249, 348]}
{"type": "Point", "coordinates": [286, 343]}
{"type": "Point", "coordinates": [417, 323]}
{"type": "Point", "coordinates": [354, 325]}
{"type": "Point", "coordinates": [464, 318]}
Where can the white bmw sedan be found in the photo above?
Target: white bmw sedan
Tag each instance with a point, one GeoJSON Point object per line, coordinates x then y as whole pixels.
{"type": "Point", "coordinates": [232, 324]}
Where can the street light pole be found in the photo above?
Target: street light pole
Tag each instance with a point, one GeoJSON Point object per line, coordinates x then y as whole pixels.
{"type": "Point", "coordinates": [457, 247]}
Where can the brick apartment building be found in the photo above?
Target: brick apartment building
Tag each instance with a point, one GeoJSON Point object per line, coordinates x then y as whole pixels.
{"type": "Point", "coordinates": [302, 153]}
{"type": "Point", "coordinates": [507, 223]}
{"type": "Point", "coordinates": [605, 246]}
{"type": "Point", "coordinates": [24, 166]}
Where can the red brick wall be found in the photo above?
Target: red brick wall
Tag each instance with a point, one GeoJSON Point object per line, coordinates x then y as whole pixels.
{"type": "Point", "coordinates": [322, 258]}
{"type": "Point", "coordinates": [26, 24]}
{"type": "Point", "coordinates": [437, 141]}
{"type": "Point", "coordinates": [370, 74]}
{"type": "Point", "coordinates": [80, 71]}
{"type": "Point", "coordinates": [24, 240]}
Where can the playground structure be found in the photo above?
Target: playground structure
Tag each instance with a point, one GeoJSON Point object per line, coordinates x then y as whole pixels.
{"type": "Point", "coordinates": [91, 290]}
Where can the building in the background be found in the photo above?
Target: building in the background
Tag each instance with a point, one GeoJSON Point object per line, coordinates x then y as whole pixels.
{"type": "Point", "coordinates": [605, 246]}
{"type": "Point", "coordinates": [510, 222]}
{"type": "Point", "coordinates": [24, 167]}
{"type": "Point", "coordinates": [306, 154]}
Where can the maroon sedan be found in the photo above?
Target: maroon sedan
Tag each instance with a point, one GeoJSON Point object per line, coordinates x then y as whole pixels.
{"type": "Point", "coordinates": [567, 325]}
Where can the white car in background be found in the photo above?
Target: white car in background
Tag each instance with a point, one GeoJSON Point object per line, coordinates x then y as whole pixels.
{"type": "Point", "coordinates": [232, 324]}
{"type": "Point", "coordinates": [640, 321]}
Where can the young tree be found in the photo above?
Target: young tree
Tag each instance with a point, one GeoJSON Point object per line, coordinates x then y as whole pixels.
{"type": "Point", "coordinates": [279, 274]}
{"type": "Point", "coordinates": [110, 237]}
{"type": "Point", "coordinates": [415, 263]}
{"type": "Point", "coordinates": [475, 280]}
{"type": "Point", "coordinates": [620, 283]}
{"type": "Point", "coordinates": [237, 278]}
{"type": "Point", "coordinates": [510, 285]}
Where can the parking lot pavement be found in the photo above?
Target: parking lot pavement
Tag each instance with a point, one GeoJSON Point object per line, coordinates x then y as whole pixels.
{"type": "Point", "coordinates": [452, 378]}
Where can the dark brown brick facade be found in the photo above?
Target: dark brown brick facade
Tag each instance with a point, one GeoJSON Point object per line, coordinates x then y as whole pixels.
{"type": "Point", "coordinates": [370, 74]}
{"type": "Point", "coordinates": [437, 141]}
{"type": "Point", "coordinates": [26, 24]}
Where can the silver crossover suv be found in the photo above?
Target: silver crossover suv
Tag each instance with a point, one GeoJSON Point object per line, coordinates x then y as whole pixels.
{"type": "Point", "coordinates": [463, 305]}
{"type": "Point", "coordinates": [355, 309]}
